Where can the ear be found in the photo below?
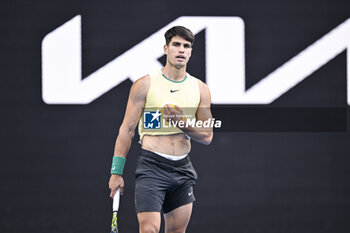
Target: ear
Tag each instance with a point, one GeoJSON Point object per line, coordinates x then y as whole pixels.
{"type": "Point", "coordinates": [165, 49]}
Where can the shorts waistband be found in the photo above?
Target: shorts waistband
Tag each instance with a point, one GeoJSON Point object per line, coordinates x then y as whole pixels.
{"type": "Point", "coordinates": [161, 159]}
{"type": "Point", "coordinates": [171, 157]}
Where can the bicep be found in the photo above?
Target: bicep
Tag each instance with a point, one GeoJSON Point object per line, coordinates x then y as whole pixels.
{"type": "Point", "coordinates": [132, 114]}
{"type": "Point", "coordinates": [203, 111]}
{"type": "Point", "coordinates": [135, 105]}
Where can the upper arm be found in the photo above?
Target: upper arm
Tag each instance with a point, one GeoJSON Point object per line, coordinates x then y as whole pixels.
{"type": "Point", "coordinates": [203, 111]}
{"type": "Point", "coordinates": [136, 103]}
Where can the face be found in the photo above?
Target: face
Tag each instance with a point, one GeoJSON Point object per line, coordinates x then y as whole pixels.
{"type": "Point", "coordinates": [178, 52]}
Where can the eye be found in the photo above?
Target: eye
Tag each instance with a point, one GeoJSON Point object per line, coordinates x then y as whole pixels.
{"type": "Point", "coordinates": [176, 44]}
{"type": "Point", "coordinates": [187, 46]}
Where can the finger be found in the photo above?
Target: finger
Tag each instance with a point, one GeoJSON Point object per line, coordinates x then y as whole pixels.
{"type": "Point", "coordinates": [121, 188]}
{"type": "Point", "coordinates": [173, 108]}
{"type": "Point", "coordinates": [113, 191]}
{"type": "Point", "coordinates": [178, 108]}
{"type": "Point", "coordinates": [168, 106]}
{"type": "Point", "coordinates": [168, 109]}
{"type": "Point", "coordinates": [171, 111]}
{"type": "Point", "coordinates": [166, 114]}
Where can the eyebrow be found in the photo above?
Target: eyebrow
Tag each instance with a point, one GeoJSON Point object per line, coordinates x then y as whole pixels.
{"type": "Point", "coordinates": [178, 43]}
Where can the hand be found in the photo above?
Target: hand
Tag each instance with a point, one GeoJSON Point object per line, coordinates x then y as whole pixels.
{"type": "Point", "coordinates": [115, 182]}
{"type": "Point", "coordinates": [173, 113]}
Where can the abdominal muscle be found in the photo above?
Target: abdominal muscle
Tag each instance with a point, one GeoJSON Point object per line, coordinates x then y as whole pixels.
{"type": "Point", "coordinates": [174, 144]}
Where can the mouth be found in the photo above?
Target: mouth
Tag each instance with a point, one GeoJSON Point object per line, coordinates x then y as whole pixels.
{"type": "Point", "coordinates": [180, 57]}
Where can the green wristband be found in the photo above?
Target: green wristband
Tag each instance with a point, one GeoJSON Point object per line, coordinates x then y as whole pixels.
{"type": "Point", "coordinates": [118, 165]}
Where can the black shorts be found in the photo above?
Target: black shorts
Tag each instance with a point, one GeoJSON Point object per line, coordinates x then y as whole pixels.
{"type": "Point", "coordinates": [162, 184]}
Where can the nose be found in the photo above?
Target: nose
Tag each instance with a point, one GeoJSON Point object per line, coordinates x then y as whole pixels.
{"type": "Point", "coordinates": [182, 49]}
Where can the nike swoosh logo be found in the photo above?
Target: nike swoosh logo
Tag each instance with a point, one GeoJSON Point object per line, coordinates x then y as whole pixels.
{"type": "Point", "coordinates": [189, 194]}
{"type": "Point", "coordinates": [172, 91]}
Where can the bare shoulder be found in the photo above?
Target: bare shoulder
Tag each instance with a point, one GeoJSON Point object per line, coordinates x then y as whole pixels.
{"type": "Point", "coordinates": [203, 88]}
{"type": "Point", "coordinates": [141, 86]}
{"type": "Point", "coordinates": [143, 82]}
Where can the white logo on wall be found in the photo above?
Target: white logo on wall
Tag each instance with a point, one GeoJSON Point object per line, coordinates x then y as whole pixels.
{"type": "Point", "coordinates": [62, 81]}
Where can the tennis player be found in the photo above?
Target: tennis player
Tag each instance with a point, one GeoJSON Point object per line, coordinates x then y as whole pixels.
{"type": "Point", "coordinates": [159, 102]}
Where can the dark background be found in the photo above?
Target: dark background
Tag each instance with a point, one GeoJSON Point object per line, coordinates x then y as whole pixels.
{"type": "Point", "coordinates": [55, 159]}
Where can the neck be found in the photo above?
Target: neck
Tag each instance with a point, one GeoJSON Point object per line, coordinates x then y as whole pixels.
{"type": "Point", "coordinates": [174, 73]}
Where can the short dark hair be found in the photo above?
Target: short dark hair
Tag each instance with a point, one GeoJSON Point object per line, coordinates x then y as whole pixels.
{"type": "Point", "coordinates": [179, 31]}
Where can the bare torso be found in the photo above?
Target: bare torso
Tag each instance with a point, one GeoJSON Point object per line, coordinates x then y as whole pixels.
{"type": "Point", "coordinates": [175, 144]}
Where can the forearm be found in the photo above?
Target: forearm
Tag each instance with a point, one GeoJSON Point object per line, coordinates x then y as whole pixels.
{"type": "Point", "coordinates": [121, 149]}
{"type": "Point", "coordinates": [123, 141]}
{"type": "Point", "coordinates": [201, 135]}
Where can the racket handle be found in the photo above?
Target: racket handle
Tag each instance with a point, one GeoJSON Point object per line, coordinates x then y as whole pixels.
{"type": "Point", "coordinates": [116, 200]}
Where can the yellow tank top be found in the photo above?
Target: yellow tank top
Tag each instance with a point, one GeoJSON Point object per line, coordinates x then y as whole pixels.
{"type": "Point", "coordinates": [184, 93]}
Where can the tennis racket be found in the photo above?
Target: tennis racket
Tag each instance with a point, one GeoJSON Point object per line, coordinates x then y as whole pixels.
{"type": "Point", "coordinates": [114, 226]}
